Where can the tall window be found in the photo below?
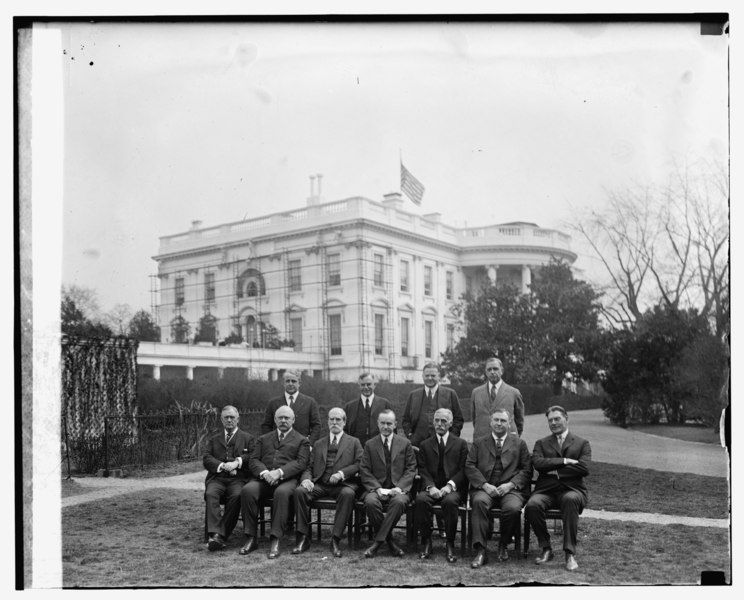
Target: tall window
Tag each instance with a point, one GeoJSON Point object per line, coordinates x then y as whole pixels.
{"type": "Point", "coordinates": [428, 329]}
{"type": "Point", "coordinates": [379, 330]}
{"type": "Point", "coordinates": [404, 275]}
{"type": "Point", "coordinates": [450, 284]}
{"type": "Point", "coordinates": [209, 287]}
{"type": "Point", "coordinates": [180, 292]}
{"type": "Point", "coordinates": [379, 269]}
{"type": "Point", "coordinates": [450, 336]}
{"type": "Point", "coordinates": [251, 290]}
{"type": "Point", "coordinates": [295, 326]}
{"type": "Point", "coordinates": [334, 325]}
{"type": "Point", "coordinates": [295, 278]}
{"type": "Point", "coordinates": [427, 280]}
{"type": "Point", "coordinates": [404, 327]}
{"type": "Point", "coordinates": [334, 269]}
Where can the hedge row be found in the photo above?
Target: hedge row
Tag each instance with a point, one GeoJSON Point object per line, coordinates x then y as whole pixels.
{"type": "Point", "coordinates": [247, 395]}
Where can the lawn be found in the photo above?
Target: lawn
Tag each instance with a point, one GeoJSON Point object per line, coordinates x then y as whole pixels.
{"type": "Point", "coordinates": [155, 539]}
{"type": "Point", "coordinates": [687, 433]}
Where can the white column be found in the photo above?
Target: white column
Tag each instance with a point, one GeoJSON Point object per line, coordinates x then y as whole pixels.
{"type": "Point", "coordinates": [526, 279]}
{"type": "Point", "coordinates": [492, 274]}
{"type": "Point", "coordinates": [190, 373]}
{"type": "Point", "coordinates": [220, 372]}
{"type": "Point", "coordinates": [156, 372]}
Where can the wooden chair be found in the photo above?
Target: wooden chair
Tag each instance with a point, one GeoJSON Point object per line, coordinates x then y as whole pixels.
{"type": "Point", "coordinates": [495, 513]}
{"type": "Point", "coordinates": [319, 506]}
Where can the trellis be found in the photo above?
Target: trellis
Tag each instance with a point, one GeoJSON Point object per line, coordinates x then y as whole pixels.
{"type": "Point", "coordinates": [99, 378]}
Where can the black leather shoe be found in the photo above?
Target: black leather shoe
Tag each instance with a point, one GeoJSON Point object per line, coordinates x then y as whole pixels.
{"type": "Point", "coordinates": [335, 548]}
{"type": "Point", "coordinates": [480, 559]}
{"type": "Point", "coordinates": [250, 545]}
{"type": "Point", "coordinates": [395, 550]}
{"type": "Point", "coordinates": [545, 556]}
{"type": "Point", "coordinates": [451, 556]}
{"type": "Point", "coordinates": [371, 552]}
{"type": "Point", "coordinates": [303, 543]}
{"type": "Point", "coordinates": [571, 564]}
{"type": "Point", "coordinates": [274, 547]}
{"type": "Point", "coordinates": [428, 549]}
{"type": "Point", "coordinates": [503, 553]}
{"type": "Point", "coordinates": [216, 542]}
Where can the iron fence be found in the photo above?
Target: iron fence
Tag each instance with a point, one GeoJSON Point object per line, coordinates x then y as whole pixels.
{"type": "Point", "coordinates": [156, 439]}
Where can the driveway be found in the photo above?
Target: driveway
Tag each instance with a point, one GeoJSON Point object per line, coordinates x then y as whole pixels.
{"type": "Point", "coordinates": [615, 445]}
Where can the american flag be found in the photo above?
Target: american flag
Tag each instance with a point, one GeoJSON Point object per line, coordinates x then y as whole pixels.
{"type": "Point", "coordinates": [411, 186]}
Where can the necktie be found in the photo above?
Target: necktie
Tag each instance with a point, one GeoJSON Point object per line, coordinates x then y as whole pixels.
{"type": "Point", "coordinates": [493, 394]}
{"type": "Point", "coordinates": [498, 443]}
{"type": "Point", "coordinates": [366, 404]}
{"type": "Point", "coordinates": [291, 401]}
{"type": "Point", "coordinates": [387, 444]}
{"type": "Point", "coordinates": [441, 446]}
{"type": "Point", "coordinates": [228, 435]}
{"type": "Point", "coordinates": [429, 396]}
{"type": "Point", "coordinates": [333, 441]}
{"type": "Point", "coordinates": [559, 441]}
{"type": "Point", "coordinates": [281, 436]}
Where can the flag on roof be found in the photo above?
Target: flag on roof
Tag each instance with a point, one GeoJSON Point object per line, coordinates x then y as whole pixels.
{"type": "Point", "coordinates": [411, 186]}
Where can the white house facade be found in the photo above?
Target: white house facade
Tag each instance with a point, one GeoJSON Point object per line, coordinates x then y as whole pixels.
{"type": "Point", "coordinates": [334, 288]}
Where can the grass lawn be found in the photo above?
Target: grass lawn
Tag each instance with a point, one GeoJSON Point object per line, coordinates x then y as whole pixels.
{"type": "Point", "coordinates": [687, 433]}
{"type": "Point", "coordinates": [155, 539]}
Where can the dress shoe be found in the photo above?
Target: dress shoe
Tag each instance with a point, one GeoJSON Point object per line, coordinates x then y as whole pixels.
{"type": "Point", "coordinates": [303, 543]}
{"type": "Point", "coordinates": [428, 549]}
{"type": "Point", "coordinates": [571, 564]}
{"type": "Point", "coordinates": [503, 553]}
{"type": "Point", "coordinates": [480, 559]}
{"type": "Point", "coordinates": [545, 556]}
{"type": "Point", "coordinates": [395, 550]}
{"type": "Point", "coordinates": [274, 547]}
{"type": "Point", "coordinates": [371, 552]}
{"type": "Point", "coordinates": [216, 542]}
{"type": "Point", "coordinates": [451, 556]}
{"type": "Point", "coordinates": [335, 548]}
{"type": "Point", "coordinates": [250, 545]}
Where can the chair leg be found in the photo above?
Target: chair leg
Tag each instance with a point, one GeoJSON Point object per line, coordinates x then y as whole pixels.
{"type": "Point", "coordinates": [206, 526]}
{"type": "Point", "coordinates": [526, 536]}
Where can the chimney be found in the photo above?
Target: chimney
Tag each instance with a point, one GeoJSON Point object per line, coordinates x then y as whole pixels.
{"type": "Point", "coordinates": [312, 200]}
{"type": "Point", "coordinates": [195, 225]}
{"type": "Point", "coordinates": [320, 180]}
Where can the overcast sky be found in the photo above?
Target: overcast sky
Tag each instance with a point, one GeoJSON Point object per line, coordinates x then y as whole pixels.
{"type": "Point", "coordinates": [165, 124]}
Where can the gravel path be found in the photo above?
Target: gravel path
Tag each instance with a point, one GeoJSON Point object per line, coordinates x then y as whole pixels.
{"type": "Point", "coordinates": [610, 444]}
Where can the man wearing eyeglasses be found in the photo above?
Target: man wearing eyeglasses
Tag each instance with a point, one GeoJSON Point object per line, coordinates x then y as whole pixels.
{"type": "Point", "coordinates": [226, 461]}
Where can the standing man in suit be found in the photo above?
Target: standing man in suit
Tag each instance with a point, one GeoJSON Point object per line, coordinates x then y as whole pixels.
{"type": "Point", "coordinates": [388, 468]}
{"type": "Point", "coordinates": [499, 470]}
{"type": "Point", "coordinates": [362, 413]}
{"type": "Point", "coordinates": [418, 416]}
{"type": "Point", "coordinates": [495, 393]}
{"type": "Point", "coordinates": [226, 461]}
{"type": "Point", "coordinates": [332, 474]}
{"type": "Point", "coordinates": [305, 409]}
{"type": "Point", "coordinates": [278, 459]}
{"type": "Point", "coordinates": [441, 466]}
{"type": "Point", "coordinates": [561, 461]}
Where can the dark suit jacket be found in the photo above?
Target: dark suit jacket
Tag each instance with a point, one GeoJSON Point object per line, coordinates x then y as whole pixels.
{"type": "Point", "coordinates": [348, 459]}
{"type": "Point", "coordinates": [547, 457]}
{"type": "Point", "coordinates": [216, 453]}
{"type": "Point", "coordinates": [507, 397]}
{"type": "Point", "coordinates": [415, 428]}
{"type": "Point", "coordinates": [515, 463]}
{"type": "Point", "coordinates": [403, 463]}
{"type": "Point", "coordinates": [292, 455]}
{"type": "Point", "coordinates": [307, 417]}
{"type": "Point", "coordinates": [352, 410]}
{"type": "Point", "coordinates": [455, 454]}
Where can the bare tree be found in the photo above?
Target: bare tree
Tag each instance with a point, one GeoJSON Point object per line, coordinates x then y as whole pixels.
{"type": "Point", "coordinates": [118, 318]}
{"type": "Point", "coordinates": [665, 245]}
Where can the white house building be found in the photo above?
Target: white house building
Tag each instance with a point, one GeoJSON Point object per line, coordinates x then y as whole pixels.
{"type": "Point", "coordinates": [334, 288]}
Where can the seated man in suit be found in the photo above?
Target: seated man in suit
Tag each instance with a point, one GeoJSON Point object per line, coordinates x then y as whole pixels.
{"type": "Point", "coordinates": [495, 393]}
{"type": "Point", "coordinates": [305, 409]}
{"type": "Point", "coordinates": [388, 468]}
{"type": "Point", "coordinates": [278, 459]}
{"type": "Point", "coordinates": [499, 470]}
{"type": "Point", "coordinates": [441, 466]}
{"type": "Point", "coordinates": [226, 461]}
{"type": "Point", "coordinates": [423, 402]}
{"type": "Point", "coordinates": [362, 412]}
{"type": "Point", "coordinates": [332, 474]}
{"type": "Point", "coordinates": [561, 461]}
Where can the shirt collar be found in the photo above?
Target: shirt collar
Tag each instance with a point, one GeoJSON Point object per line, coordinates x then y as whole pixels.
{"type": "Point", "coordinates": [364, 398]}
{"type": "Point", "coordinates": [286, 433]}
{"type": "Point", "coordinates": [496, 438]}
{"type": "Point", "coordinates": [445, 437]}
{"type": "Point", "coordinates": [433, 390]}
{"type": "Point", "coordinates": [338, 436]}
{"type": "Point", "coordinates": [562, 437]}
{"type": "Point", "coordinates": [496, 386]}
{"type": "Point", "coordinates": [295, 396]}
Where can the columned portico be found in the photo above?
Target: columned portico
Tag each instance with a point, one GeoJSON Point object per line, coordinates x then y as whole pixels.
{"type": "Point", "coordinates": [526, 279]}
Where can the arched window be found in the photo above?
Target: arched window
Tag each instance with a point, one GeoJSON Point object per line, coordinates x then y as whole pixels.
{"type": "Point", "coordinates": [251, 289]}
{"type": "Point", "coordinates": [251, 284]}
